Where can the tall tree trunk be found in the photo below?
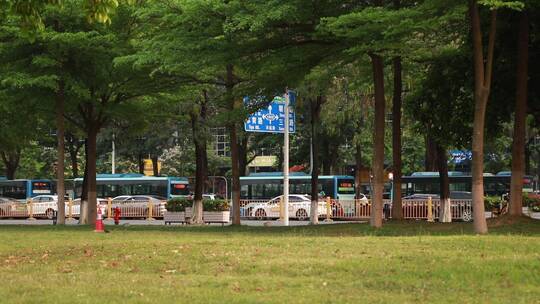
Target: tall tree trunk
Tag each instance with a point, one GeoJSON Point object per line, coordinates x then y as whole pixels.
{"type": "Point", "coordinates": [73, 149]}
{"type": "Point", "coordinates": [60, 186]}
{"type": "Point", "coordinates": [358, 170]}
{"type": "Point", "coordinates": [397, 210]}
{"type": "Point", "coordinates": [198, 126]}
{"type": "Point", "coordinates": [11, 161]}
{"type": "Point", "coordinates": [140, 160]}
{"type": "Point", "coordinates": [242, 152]}
{"type": "Point", "coordinates": [91, 165]}
{"type": "Point", "coordinates": [315, 105]}
{"type": "Point", "coordinates": [378, 142]}
{"type": "Point", "coordinates": [84, 194]}
{"type": "Point", "coordinates": [431, 154]}
{"type": "Point", "coordinates": [445, 213]}
{"type": "Point", "coordinates": [518, 145]}
{"type": "Point", "coordinates": [235, 162]}
{"type": "Point", "coordinates": [482, 86]}
{"type": "Point", "coordinates": [155, 165]}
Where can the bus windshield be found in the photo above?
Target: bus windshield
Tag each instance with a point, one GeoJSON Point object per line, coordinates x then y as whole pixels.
{"type": "Point", "coordinates": [346, 186]}
{"type": "Point", "coordinates": [179, 189]}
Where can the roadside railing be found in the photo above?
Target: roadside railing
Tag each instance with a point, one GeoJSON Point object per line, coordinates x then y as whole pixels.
{"type": "Point", "coordinates": [357, 209]}
{"type": "Point", "coordinates": [130, 209]}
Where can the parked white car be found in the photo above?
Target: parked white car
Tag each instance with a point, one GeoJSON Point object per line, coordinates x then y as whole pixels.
{"type": "Point", "coordinates": [299, 207]}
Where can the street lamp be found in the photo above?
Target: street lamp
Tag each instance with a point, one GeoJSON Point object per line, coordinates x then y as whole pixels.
{"type": "Point", "coordinates": [391, 178]}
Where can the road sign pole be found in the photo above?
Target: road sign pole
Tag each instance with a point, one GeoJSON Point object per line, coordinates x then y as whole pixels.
{"type": "Point", "coordinates": [285, 219]}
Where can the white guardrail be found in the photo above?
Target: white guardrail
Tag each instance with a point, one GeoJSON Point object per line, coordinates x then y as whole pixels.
{"type": "Point", "coordinates": [352, 209]}
{"type": "Point", "coordinates": [130, 209]}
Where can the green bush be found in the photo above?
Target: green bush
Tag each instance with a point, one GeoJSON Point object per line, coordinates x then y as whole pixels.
{"type": "Point", "coordinates": [178, 204]}
{"type": "Point", "coordinates": [492, 202]}
{"type": "Point", "coordinates": [215, 205]}
{"type": "Point", "coordinates": [530, 201]}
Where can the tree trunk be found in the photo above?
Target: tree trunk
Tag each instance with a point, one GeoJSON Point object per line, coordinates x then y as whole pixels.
{"type": "Point", "coordinates": [73, 147]}
{"type": "Point", "coordinates": [235, 162]}
{"type": "Point", "coordinates": [315, 105]}
{"type": "Point", "coordinates": [140, 159]}
{"type": "Point", "coordinates": [198, 126]}
{"type": "Point", "coordinates": [92, 132]}
{"type": "Point", "coordinates": [60, 186]}
{"type": "Point", "coordinates": [445, 213]}
{"type": "Point", "coordinates": [378, 142]}
{"type": "Point", "coordinates": [482, 86]}
{"type": "Point", "coordinates": [84, 193]}
{"type": "Point", "coordinates": [431, 154]}
{"type": "Point", "coordinates": [518, 146]}
{"type": "Point", "coordinates": [358, 171]}
{"type": "Point", "coordinates": [155, 165]}
{"type": "Point", "coordinates": [242, 152]}
{"type": "Point", "coordinates": [11, 161]}
{"type": "Point", "coordinates": [397, 210]}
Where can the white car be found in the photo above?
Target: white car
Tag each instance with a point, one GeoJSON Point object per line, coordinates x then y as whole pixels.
{"type": "Point", "coordinates": [299, 207]}
{"type": "Point", "coordinates": [46, 205]}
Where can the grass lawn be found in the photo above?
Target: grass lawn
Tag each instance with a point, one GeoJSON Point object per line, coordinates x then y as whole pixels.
{"type": "Point", "coordinates": [348, 263]}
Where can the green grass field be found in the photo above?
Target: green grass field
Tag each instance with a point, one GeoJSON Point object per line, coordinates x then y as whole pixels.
{"type": "Point", "coordinates": [347, 263]}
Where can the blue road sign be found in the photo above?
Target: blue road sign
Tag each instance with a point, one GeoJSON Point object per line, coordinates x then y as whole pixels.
{"type": "Point", "coordinates": [271, 119]}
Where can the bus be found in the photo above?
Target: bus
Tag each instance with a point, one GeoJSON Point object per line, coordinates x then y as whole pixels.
{"type": "Point", "coordinates": [112, 185]}
{"type": "Point", "coordinates": [428, 183]}
{"type": "Point", "coordinates": [23, 189]}
{"type": "Point", "coordinates": [267, 185]}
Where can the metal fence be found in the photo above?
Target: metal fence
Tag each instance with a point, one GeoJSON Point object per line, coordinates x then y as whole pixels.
{"type": "Point", "coordinates": [128, 209]}
{"type": "Point", "coordinates": [352, 209]}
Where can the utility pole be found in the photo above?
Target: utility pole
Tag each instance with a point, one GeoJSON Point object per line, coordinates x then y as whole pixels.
{"type": "Point", "coordinates": [113, 157]}
{"type": "Point", "coordinates": [285, 200]}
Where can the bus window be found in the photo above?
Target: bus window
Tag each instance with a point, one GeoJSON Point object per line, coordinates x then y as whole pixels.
{"type": "Point", "coordinates": [41, 188]}
{"type": "Point", "coordinates": [179, 189]}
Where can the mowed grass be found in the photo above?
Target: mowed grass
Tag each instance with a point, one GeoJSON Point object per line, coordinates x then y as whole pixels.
{"type": "Point", "coordinates": [412, 262]}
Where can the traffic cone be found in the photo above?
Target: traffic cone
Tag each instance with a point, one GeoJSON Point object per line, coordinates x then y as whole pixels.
{"type": "Point", "coordinates": [99, 222]}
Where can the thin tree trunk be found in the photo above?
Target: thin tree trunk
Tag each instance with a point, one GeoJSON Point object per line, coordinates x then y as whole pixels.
{"type": "Point", "coordinates": [140, 160]}
{"type": "Point", "coordinates": [198, 125]}
{"type": "Point", "coordinates": [155, 165]}
{"type": "Point", "coordinates": [235, 162]}
{"type": "Point", "coordinates": [315, 117]}
{"type": "Point", "coordinates": [60, 186]}
{"type": "Point", "coordinates": [397, 210]}
{"type": "Point", "coordinates": [431, 154]}
{"type": "Point", "coordinates": [378, 142]}
{"type": "Point", "coordinates": [358, 170]}
{"type": "Point", "coordinates": [84, 194]}
{"type": "Point", "coordinates": [518, 146]}
{"type": "Point", "coordinates": [242, 152]}
{"type": "Point", "coordinates": [445, 213]}
{"type": "Point", "coordinates": [482, 86]}
{"type": "Point", "coordinates": [91, 165]}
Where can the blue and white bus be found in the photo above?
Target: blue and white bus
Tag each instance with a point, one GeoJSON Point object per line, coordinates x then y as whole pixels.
{"type": "Point", "coordinates": [269, 185]}
{"type": "Point", "coordinates": [23, 189]}
{"type": "Point", "coordinates": [112, 185]}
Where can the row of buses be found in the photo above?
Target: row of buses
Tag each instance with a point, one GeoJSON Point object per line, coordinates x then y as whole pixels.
{"type": "Point", "coordinates": [256, 186]}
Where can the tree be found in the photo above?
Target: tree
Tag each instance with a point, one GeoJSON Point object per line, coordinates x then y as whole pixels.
{"type": "Point", "coordinates": [518, 144]}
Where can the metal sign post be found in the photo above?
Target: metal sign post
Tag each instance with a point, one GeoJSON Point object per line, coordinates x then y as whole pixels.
{"type": "Point", "coordinates": [285, 219]}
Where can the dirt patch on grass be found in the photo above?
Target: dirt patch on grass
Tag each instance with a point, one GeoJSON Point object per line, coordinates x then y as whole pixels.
{"type": "Point", "coordinates": [506, 220]}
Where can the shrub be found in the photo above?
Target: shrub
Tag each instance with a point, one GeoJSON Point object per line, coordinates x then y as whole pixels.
{"type": "Point", "coordinates": [216, 205]}
{"type": "Point", "coordinates": [178, 204]}
{"type": "Point", "coordinates": [530, 200]}
{"type": "Point", "coordinates": [492, 202]}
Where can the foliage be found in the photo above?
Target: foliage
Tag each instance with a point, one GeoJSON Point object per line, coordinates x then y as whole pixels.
{"type": "Point", "coordinates": [178, 204]}
{"type": "Point", "coordinates": [215, 205]}
{"type": "Point", "coordinates": [493, 202]}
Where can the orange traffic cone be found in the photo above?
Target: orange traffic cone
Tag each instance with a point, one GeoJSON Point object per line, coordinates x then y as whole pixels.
{"type": "Point", "coordinates": [99, 222]}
